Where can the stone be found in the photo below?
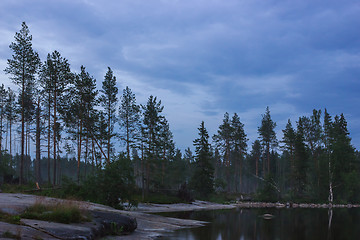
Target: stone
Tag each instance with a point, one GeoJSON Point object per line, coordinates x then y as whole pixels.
{"type": "Point", "coordinates": [23, 232]}
{"type": "Point", "coordinates": [115, 223]}
{"type": "Point", "coordinates": [61, 230]}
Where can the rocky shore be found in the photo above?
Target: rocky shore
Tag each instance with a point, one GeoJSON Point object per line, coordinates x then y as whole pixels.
{"type": "Point", "coordinates": [136, 224]}
{"type": "Point", "coordinates": [292, 205]}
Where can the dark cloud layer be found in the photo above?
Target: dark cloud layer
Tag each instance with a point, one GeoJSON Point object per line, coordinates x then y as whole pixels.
{"type": "Point", "coordinates": [203, 58]}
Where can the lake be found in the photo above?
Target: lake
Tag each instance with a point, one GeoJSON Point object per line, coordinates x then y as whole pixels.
{"type": "Point", "coordinates": [246, 224]}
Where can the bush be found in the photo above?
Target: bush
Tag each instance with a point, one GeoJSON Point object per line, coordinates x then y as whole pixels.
{"type": "Point", "coordinates": [268, 192]}
{"type": "Point", "coordinates": [113, 185]}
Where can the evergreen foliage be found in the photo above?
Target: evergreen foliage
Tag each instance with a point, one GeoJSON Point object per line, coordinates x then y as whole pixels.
{"type": "Point", "coordinates": [108, 101]}
{"type": "Point", "coordinates": [202, 181]}
{"type": "Point", "coordinates": [129, 119]}
{"type": "Point", "coordinates": [23, 67]}
{"type": "Point", "coordinates": [267, 138]}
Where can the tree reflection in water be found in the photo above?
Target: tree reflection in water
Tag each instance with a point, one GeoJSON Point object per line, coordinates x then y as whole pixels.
{"type": "Point", "coordinates": [293, 224]}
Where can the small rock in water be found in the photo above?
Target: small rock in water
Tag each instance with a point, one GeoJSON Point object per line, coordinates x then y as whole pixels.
{"type": "Point", "coordinates": [268, 216]}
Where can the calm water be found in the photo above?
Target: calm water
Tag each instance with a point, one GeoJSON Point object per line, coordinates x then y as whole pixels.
{"type": "Point", "coordinates": [296, 224]}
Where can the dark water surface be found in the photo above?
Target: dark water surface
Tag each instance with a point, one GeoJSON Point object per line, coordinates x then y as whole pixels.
{"type": "Point", "coordinates": [296, 224]}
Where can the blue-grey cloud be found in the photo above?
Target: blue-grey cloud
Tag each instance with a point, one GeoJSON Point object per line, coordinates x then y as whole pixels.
{"type": "Point", "coordinates": [203, 58]}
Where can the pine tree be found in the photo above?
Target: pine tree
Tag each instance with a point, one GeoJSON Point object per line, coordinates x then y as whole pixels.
{"type": "Point", "coordinates": [288, 140]}
{"type": "Point", "coordinates": [167, 146]}
{"type": "Point", "coordinates": [55, 78]}
{"type": "Point", "coordinates": [84, 103]}
{"type": "Point", "coordinates": [202, 181]}
{"type": "Point", "coordinates": [343, 160]}
{"type": "Point", "coordinates": [23, 67]}
{"type": "Point", "coordinates": [223, 142]}
{"type": "Point", "coordinates": [312, 136]}
{"type": "Point", "coordinates": [267, 137]}
{"type": "Point", "coordinates": [255, 156]}
{"type": "Point", "coordinates": [108, 101]}
{"type": "Point", "coordinates": [299, 177]}
{"type": "Point", "coordinates": [80, 115]}
{"type": "Point", "coordinates": [239, 148]}
{"type": "Point", "coordinates": [151, 130]}
{"type": "Point", "coordinates": [129, 119]}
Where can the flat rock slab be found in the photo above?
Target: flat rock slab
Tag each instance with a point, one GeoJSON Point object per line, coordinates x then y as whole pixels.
{"type": "Point", "coordinates": [62, 231]}
{"type": "Point", "coordinates": [179, 207]}
{"type": "Point", "coordinates": [22, 232]}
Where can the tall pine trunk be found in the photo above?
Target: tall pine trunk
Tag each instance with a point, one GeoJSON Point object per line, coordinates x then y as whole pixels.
{"type": "Point", "coordinates": [109, 132]}
{"type": "Point", "coordinates": [49, 139]}
{"type": "Point", "coordinates": [55, 135]}
{"type": "Point", "coordinates": [21, 175]}
{"type": "Point", "coordinates": [79, 149]}
{"type": "Point", "coordinates": [38, 142]}
{"type": "Point", "coordinates": [10, 143]}
{"type": "Point", "coordinates": [268, 157]}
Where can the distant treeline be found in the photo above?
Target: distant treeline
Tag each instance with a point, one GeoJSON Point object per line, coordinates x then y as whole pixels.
{"type": "Point", "coordinates": [62, 113]}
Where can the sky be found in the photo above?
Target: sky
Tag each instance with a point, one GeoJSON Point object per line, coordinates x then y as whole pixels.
{"type": "Point", "coordinates": [203, 58]}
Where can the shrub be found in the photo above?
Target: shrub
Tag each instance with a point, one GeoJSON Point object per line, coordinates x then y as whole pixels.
{"type": "Point", "coordinates": [60, 212]}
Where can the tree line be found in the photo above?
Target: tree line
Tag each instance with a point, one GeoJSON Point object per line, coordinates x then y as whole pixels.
{"type": "Point", "coordinates": [64, 114]}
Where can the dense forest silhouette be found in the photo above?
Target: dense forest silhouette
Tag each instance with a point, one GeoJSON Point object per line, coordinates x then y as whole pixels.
{"type": "Point", "coordinates": [76, 128]}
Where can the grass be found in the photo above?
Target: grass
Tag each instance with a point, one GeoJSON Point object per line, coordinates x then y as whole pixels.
{"type": "Point", "coordinates": [9, 218]}
{"type": "Point", "coordinates": [8, 234]}
{"type": "Point", "coordinates": [60, 212]}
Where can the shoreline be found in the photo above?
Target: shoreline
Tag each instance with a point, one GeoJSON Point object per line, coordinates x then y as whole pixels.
{"type": "Point", "coordinates": [150, 226]}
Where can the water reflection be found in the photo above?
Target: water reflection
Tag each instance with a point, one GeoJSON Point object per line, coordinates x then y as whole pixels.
{"type": "Point", "coordinates": [296, 224]}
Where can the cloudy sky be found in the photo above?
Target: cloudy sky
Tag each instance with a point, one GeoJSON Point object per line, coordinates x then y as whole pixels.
{"type": "Point", "coordinates": [203, 58]}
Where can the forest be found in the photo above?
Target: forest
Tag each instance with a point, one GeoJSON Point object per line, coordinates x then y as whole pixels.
{"type": "Point", "coordinates": [76, 128]}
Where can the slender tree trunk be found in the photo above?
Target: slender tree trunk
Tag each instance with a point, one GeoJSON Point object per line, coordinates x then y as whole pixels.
{"type": "Point", "coordinates": [26, 140]}
{"type": "Point", "coordinates": [86, 152]}
{"type": "Point", "coordinates": [163, 167]}
{"type": "Point", "coordinates": [79, 149]}
{"type": "Point", "coordinates": [92, 155]}
{"type": "Point", "coordinates": [127, 138]}
{"type": "Point", "coordinates": [331, 194]}
{"type": "Point", "coordinates": [10, 143]}
{"type": "Point", "coordinates": [241, 166]}
{"type": "Point", "coordinates": [21, 176]}
{"type": "Point", "coordinates": [38, 143]}
{"type": "Point", "coordinates": [109, 132]}
{"type": "Point", "coordinates": [6, 136]}
{"type": "Point", "coordinates": [228, 167]}
{"type": "Point", "coordinates": [142, 173]}
{"type": "Point", "coordinates": [264, 165]}
{"type": "Point", "coordinates": [55, 134]}
{"type": "Point", "coordinates": [49, 139]}
{"type": "Point", "coordinates": [268, 157]}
